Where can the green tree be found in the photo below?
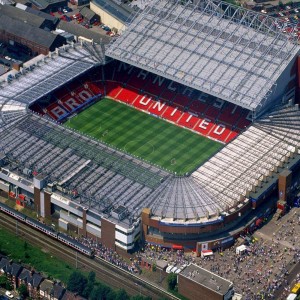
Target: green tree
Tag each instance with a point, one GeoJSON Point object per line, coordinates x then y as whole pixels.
{"type": "Point", "coordinates": [90, 284]}
{"type": "Point", "coordinates": [8, 286]}
{"type": "Point", "coordinates": [154, 267]}
{"type": "Point", "coordinates": [22, 290]}
{"type": "Point", "coordinates": [77, 282]}
{"type": "Point", "coordinates": [92, 277]}
{"type": "Point", "coordinates": [101, 292]}
{"type": "Point", "coordinates": [25, 246]}
{"type": "Point", "coordinates": [121, 295]}
{"type": "Point", "coordinates": [3, 281]}
{"type": "Point", "coordinates": [172, 281]}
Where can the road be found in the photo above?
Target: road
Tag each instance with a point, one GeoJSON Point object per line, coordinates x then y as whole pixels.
{"type": "Point", "coordinates": [106, 272]}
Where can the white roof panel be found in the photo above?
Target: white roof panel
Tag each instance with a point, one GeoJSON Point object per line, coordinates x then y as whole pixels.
{"type": "Point", "coordinates": [44, 76]}
{"type": "Point", "coordinates": [223, 50]}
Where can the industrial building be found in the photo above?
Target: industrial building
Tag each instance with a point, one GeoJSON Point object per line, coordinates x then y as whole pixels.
{"type": "Point", "coordinates": [30, 16]}
{"type": "Point", "coordinates": [112, 14]}
{"type": "Point", "coordinates": [19, 33]}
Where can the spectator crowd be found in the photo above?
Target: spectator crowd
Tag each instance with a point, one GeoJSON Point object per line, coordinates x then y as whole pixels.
{"type": "Point", "coordinates": [262, 272]}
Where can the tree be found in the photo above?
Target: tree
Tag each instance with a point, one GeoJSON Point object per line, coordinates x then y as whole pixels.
{"type": "Point", "coordinates": [121, 295]}
{"type": "Point", "coordinates": [154, 267]}
{"type": "Point", "coordinates": [92, 277]}
{"type": "Point", "coordinates": [101, 292]}
{"type": "Point", "coordinates": [172, 281]}
{"type": "Point", "coordinates": [77, 282]}
{"type": "Point", "coordinates": [9, 286]}
{"type": "Point", "coordinates": [3, 280]}
{"type": "Point", "coordinates": [90, 285]}
{"type": "Point", "coordinates": [22, 290]}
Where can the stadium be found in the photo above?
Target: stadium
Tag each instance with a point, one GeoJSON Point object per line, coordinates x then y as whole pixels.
{"type": "Point", "coordinates": [178, 133]}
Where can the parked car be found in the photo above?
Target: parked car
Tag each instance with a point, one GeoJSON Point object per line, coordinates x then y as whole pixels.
{"type": "Point", "coordinates": [9, 294]}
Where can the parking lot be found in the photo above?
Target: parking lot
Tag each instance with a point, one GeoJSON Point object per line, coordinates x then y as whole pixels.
{"type": "Point", "coordinates": [72, 14]}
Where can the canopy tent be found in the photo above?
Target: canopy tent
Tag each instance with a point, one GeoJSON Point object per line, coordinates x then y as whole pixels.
{"type": "Point", "coordinates": [205, 253]}
{"type": "Point", "coordinates": [241, 249]}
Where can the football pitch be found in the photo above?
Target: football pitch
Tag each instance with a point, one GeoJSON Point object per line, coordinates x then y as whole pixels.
{"type": "Point", "coordinates": [144, 136]}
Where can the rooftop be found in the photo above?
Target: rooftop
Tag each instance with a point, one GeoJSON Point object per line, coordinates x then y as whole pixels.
{"type": "Point", "coordinates": [87, 13]}
{"type": "Point", "coordinates": [42, 14]}
{"type": "Point", "coordinates": [79, 30]}
{"type": "Point", "coordinates": [42, 4]}
{"type": "Point", "coordinates": [21, 15]}
{"type": "Point", "coordinates": [223, 50]}
{"type": "Point", "coordinates": [25, 30]}
{"type": "Point", "coordinates": [122, 12]}
{"type": "Point", "coordinates": [207, 279]}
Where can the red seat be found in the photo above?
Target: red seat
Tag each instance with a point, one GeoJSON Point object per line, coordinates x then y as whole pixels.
{"type": "Point", "coordinates": [128, 95]}
{"type": "Point", "coordinates": [55, 111]}
{"type": "Point", "coordinates": [172, 113]}
{"type": "Point", "coordinates": [155, 85]}
{"type": "Point", "coordinates": [182, 100]}
{"type": "Point", "coordinates": [144, 102]}
{"type": "Point", "coordinates": [187, 120]}
{"type": "Point", "coordinates": [198, 106]}
{"type": "Point", "coordinates": [112, 89]}
{"type": "Point", "coordinates": [158, 107]}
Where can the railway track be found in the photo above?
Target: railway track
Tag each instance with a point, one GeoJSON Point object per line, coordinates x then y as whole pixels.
{"type": "Point", "coordinates": [105, 271]}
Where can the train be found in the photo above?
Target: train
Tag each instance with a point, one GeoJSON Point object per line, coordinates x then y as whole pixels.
{"type": "Point", "coordinates": [63, 238]}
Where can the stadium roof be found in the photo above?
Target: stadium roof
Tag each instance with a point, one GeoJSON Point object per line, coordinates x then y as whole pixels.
{"type": "Point", "coordinates": [46, 75]}
{"type": "Point", "coordinates": [104, 178]}
{"type": "Point", "coordinates": [226, 180]}
{"type": "Point", "coordinates": [223, 50]}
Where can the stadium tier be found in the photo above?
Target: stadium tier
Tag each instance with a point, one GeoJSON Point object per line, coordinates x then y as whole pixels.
{"type": "Point", "coordinates": [183, 106]}
{"type": "Point", "coordinates": [231, 53]}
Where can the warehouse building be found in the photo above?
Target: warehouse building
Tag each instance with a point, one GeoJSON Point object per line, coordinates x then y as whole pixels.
{"type": "Point", "coordinates": [112, 14]}
{"type": "Point", "coordinates": [89, 16]}
{"type": "Point", "coordinates": [28, 17]}
{"type": "Point", "coordinates": [80, 31]}
{"type": "Point", "coordinates": [48, 5]}
{"type": "Point", "coordinates": [34, 39]}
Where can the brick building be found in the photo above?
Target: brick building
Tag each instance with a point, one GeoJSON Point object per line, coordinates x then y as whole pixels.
{"type": "Point", "coordinates": [18, 33]}
{"type": "Point", "coordinates": [197, 283]}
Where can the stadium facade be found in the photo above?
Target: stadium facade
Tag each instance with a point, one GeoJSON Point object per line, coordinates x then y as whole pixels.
{"type": "Point", "coordinates": [230, 55]}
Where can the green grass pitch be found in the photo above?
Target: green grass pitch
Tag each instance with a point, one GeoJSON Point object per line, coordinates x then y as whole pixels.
{"type": "Point", "coordinates": [154, 140]}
